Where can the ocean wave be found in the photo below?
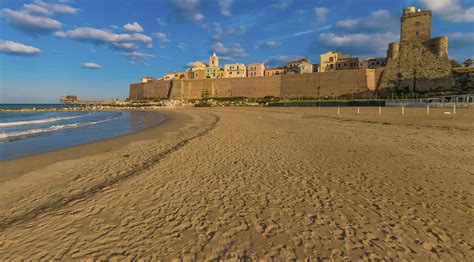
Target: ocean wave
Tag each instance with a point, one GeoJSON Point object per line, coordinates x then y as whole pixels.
{"type": "Point", "coordinates": [39, 121]}
{"type": "Point", "coordinates": [8, 137]}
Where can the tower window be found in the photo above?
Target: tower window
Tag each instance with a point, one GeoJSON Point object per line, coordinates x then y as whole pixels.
{"type": "Point", "coordinates": [417, 24]}
{"type": "Point", "coordinates": [417, 33]}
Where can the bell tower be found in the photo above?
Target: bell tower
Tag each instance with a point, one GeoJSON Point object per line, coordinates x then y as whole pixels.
{"type": "Point", "coordinates": [214, 60]}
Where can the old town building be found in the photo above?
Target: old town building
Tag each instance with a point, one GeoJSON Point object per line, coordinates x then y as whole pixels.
{"type": "Point", "coordinates": [372, 63]}
{"type": "Point", "coordinates": [255, 69]}
{"type": "Point", "coordinates": [272, 71]}
{"type": "Point", "coordinates": [234, 70]}
{"type": "Point", "coordinates": [300, 66]}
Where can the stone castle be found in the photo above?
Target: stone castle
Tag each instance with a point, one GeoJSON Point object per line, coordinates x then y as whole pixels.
{"type": "Point", "coordinates": [417, 63]}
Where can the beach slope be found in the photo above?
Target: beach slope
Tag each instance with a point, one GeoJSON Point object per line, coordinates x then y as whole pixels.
{"type": "Point", "coordinates": [254, 183]}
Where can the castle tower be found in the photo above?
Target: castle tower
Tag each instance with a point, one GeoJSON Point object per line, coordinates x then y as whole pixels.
{"type": "Point", "coordinates": [214, 60]}
{"type": "Point", "coordinates": [415, 25]}
{"type": "Point", "coordinates": [417, 63]}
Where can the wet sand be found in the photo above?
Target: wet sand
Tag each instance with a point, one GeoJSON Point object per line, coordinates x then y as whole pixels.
{"type": "Point", "coordinates": [252, 183]}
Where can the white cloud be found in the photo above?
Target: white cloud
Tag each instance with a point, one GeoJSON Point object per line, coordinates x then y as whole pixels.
{"type": "Point", "coordinates": [34, 25]}
{"type": "Point", "coordinates": [320, 15]}
{"type": "Point", "coordinates": [279, 60]}
{"type": "Point", "coordinates": [188, 9]}
{"type": "Point", "coordinates": [377, 21]}
{"type": "Point", "coordinates": [35, 9]}
{"type": "Point", "coordinates": [143, 38]}
{"type": "Point", "coordinates": [222, 33]}
{"type": "Point", "coordinates": [162, 38]}
{"type": "Point", "coordinates": [461, 40]}
{"type": "Point", "coordinates": [91, 66]}
{"type": "Point", "coordinates": [160, 21]}
{"type": "Point", "coordinates": [57, 8]}
{"type": "Point", "coordinates": [124, 46]}
{"type": "Point", "coordinates": [451, 10]}
{"type": "Point", "coordinates": [283, 5]}
{"type": "Point", "coordinates": [232, 51]}
{"type": "Point", "coordinates": [14, 48]}
{"type": "Point", "coordinates": [135, 55]}
{"type": "Point", "coordinates": [60, 34]}
{"type": "Point", "coordinates": [182, 46]}
{"type": "Point", "coordinates": [357, 43]}
{"type": "Point", "coordinates": [270, 44]}
{"type": "Point", "coordinates": [97, 36]}
{"type": "Point", "coordinates": [133, 28]}
{"type": "Point", "coordinates": [225, 5]}
{"type": "Point", "coordinates": [198, 17]}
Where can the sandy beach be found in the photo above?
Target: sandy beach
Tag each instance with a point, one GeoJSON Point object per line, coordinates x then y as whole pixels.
{"type": "Point", "coordinates": [251, 184]}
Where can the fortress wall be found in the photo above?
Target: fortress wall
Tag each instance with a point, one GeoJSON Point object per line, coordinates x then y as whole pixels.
{"type": "Point", "coordinates": [136, 91]}
{"type": "Point", "coordinates": [229, 87]}
{"type": "Point", "coordinates": [419, 68]}
{"type": "Point", "coordinates": [328, 84]}
{"type": "Point", "coordinates": [256, 86]}
{"type": "Point", "coordinates": [438, 45]}
{"type": "Point", "coordinates": [176, 90]}
{"type": "Point", "coordinates": [155, 89]}
{"type": "Point", "coordinates": [373, 78]}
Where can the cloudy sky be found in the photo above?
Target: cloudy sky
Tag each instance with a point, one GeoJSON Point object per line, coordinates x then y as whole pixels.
{"type": "Point", "coordinates": [95, 48]}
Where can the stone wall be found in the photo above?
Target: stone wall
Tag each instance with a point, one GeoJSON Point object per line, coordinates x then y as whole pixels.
{"type": "Point", "coordinates": [463, 80]}
{"type": "Point", "coordinates": [327, 84]}
{"type": "Point", "coordinates": [154, 89]}
{"type": "Point", "coordinates": [420, 67]}
{"type": "Point", "coordinates": [416, 27]}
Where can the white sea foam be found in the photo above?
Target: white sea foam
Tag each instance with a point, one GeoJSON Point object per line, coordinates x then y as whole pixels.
{"type": "Point", "coordinates": [39, 121]}
{"type": "Point", "coordinates": [6, 137]}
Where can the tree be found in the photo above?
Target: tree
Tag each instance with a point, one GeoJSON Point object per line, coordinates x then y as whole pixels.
{"type": "Point", "coordinates": [454, 63]}
{"type": "Point", "coordinates": [468, 62]}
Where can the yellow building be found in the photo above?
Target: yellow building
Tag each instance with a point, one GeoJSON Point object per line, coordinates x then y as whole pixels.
{"type": "Point", "coordinates": [301, 66]}
{"type": "Point", "coordinates": [234, 70]}
{"type": "Point", "coordinates": [170, 76]}
{"type": "Point", "coordinates": [147, 79]}
{"type": "Point", "coordinates": [255, 69]}
{"type": "Point", "coordinates": [330, 60]}
{"type": "Point", "coordinates": [180, 75]}
{"type": "Point", "coordinates": [198, 71]}
{"type": "Point", "coordinates": [274, 71]}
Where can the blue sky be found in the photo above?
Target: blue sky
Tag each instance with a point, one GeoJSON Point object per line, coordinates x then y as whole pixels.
{"type": "Point", "coordinates": [96, 48]}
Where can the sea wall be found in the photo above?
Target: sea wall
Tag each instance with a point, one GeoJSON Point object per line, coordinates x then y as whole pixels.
{"type": "Point", "coordinates": [155, 89]}
{"type": "Point", "coordinates": [327, 84]}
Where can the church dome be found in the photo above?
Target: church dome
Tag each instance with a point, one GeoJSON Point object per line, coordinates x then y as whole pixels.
{"type": "Point", "coordinates": [198, 65]}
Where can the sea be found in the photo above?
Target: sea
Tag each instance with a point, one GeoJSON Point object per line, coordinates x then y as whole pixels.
{"type": "Point", "coordinates": [27, 133]}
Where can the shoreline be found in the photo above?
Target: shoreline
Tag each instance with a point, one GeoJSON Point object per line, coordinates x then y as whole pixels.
{"type": "Point", "coordinates": [13, 168]}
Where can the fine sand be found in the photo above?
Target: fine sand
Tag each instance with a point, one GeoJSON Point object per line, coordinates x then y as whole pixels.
{"type": "Point", "coordinates": [251, 184]}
